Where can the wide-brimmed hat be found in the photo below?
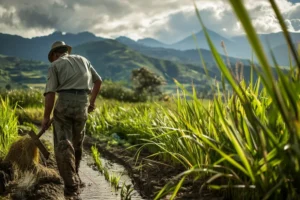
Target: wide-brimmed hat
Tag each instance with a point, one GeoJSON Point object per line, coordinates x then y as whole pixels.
{"type": "Point", "coordinates": [56, 45]}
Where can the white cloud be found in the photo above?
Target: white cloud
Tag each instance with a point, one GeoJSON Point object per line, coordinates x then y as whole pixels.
{"type": "Point", "coordinates": [167, 20]}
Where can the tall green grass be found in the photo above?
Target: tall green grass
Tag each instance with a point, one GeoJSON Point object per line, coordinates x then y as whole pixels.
{"type": "Point", "coordinates": [24, 98]}
{"type": "Point", "coordinates": [8, 126]}
{"type": "Point", "coordinates": [247, 144]}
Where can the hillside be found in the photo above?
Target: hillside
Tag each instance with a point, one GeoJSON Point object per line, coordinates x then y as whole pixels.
{"type": "Point", "coordinates": [150, 42]}
{"type": "Point", "coordinates": [237, 47]}
{"type": "Point", "coordinates": [115, 61]}
{"type": "Point", "coordinates": [19, 72]}
{"type": "Point", "coordinates": [37, 48]}
{"type": "Point", "coordinates": [185, 57]}
{"type": "Point", "coordinates": [112, 60]}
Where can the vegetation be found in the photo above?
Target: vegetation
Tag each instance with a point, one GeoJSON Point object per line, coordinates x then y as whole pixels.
{"type": "Point", "coordinates": [24, 98]}
{"type": "Point", "coordinates": [146, 82]}
{"type": "Point", "coordinates": [15, 73]}
{"type": "Point", "coordinates": [114, 179]}
{"type": "Point", "coordinates": [117, 91]}
{"type": "Point", "coordinates": [8, 126]}
{"type": "Point", "coordinates": [245, 142]}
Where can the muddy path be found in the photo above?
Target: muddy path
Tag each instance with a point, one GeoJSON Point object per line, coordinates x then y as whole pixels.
{"type": "Point", "coordinates": [97, 188]}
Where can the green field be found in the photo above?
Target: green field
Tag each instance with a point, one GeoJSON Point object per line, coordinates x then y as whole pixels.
{"type": "Point", "coordinates": [242, 144]}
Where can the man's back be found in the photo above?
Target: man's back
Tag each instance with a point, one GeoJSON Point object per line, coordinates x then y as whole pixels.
{"type": "Point", "coordinates": [71, 72]}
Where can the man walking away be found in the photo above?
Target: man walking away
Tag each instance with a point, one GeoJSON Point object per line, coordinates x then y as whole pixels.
{"type": "Point", "coordinates": [73, 78]}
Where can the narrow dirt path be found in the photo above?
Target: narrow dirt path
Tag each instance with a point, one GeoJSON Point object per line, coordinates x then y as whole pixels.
{"type": "Point", "coordinates": [97, 188]}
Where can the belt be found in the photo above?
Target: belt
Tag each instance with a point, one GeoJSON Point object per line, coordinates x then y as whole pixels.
{"type": "Point", "coordinates": [73, 91]}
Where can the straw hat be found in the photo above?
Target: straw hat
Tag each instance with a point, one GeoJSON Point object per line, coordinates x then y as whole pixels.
{"type": "Point", "coordinates": [56, 45]}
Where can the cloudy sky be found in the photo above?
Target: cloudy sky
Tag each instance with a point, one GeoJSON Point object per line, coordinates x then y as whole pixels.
{"type": "Point", "coordinates": [165, 20]}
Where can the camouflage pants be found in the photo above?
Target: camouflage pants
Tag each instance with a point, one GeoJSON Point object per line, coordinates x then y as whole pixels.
{"type": "Point", "coordinates": [70, 115]}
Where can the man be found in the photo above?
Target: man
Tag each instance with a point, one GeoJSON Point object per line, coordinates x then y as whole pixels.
{"type": "Point", "coordinates": [73, 78]}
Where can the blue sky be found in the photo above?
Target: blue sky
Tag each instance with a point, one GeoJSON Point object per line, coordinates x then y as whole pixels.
{"type": "Point", "coordinates": [165, 20]}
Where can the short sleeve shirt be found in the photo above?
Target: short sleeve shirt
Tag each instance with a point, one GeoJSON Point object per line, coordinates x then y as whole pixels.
{"type": "Point", "coordinates": [71, 72]}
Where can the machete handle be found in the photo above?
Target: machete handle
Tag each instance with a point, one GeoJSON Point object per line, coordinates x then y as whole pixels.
{"type": "Point", "coordinates": [43, 130]}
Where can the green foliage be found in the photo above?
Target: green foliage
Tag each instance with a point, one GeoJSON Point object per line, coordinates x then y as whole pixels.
{"type": "Point", "coordinates": [96, 157]}
{"type": "Point", "coordinates": [117, 91]}
{"type": "Point", "coordinates": [112, 178]}
{"type": "Point", "coordinates": [246, 142]}
{"type": "Point", "coordinates": [24, 98]}
{"type": "Point", "coordinates": [30, 115]}
{"type": "Point", "coordinates": [16, 73]}
{"type": "Point", "coordinates": [130, 121]}
{"type": "Point", "coordinates": [8, 126]}
{"type": "Point", "coordinates": [116, 61]}
{"type": "Point", "coordinates": [146, 82]}
{"type": "Point", "coordinates": [126, 192]}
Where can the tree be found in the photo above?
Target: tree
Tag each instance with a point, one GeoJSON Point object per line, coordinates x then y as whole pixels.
{"type": "Point", "coordinates": [145, 81]}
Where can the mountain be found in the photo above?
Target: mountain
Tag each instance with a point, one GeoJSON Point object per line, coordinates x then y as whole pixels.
{"type": "Point", "coordinates": [115, 61]}
{"type": "Point", "coordinates": [185, 57]}
{"type": "Point", "coordinates": [190, 43]}
{"type": "Point", "coordinates": [112, 60]}
{"type": "Point", "coordinates": [282, 54]}
{"type": "Point", "coordinates": [268, 41]}
{"type": "Point", "coordinates": [150, 42]}
{"type": "Point", "coordinates": [236, 47]}
{"type": "Point", "coordinates": [126, 40]}
{"type": "Point", "coordinates": [37, 48]}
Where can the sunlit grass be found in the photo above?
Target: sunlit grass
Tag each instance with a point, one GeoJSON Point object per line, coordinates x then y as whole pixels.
{"type": "Point", "coordinates": [246, 142]}
{"type": "Point", "coordinates": [8, 126]}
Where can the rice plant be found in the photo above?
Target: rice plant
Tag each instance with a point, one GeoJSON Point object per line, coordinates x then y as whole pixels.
{"type": "Point", "coordinates": [126, 192]}
{"type": "Point", "coordinates": [96, 157]}
{"type": "Point", "coordinates": [8, 126]}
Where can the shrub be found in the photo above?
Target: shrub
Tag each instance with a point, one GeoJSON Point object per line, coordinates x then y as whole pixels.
{"type": "Point", "coordinates": [111, 90]}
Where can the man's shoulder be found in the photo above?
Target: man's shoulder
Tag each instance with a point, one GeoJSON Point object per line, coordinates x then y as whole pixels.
{"type": "Point", "coordinates": [77, 56]}
{"type": "Point", "coordinates": [65, 59]}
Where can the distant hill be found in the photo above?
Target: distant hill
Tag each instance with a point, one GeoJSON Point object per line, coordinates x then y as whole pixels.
{"type": "Point", "coordinates": [115, 61]}
{"type": "Point", "coordinates": [237, 47]}
{"type": "Point", "coordinates": [282, 54]}
{"type": "Point", "coordinates": [19, 72]}
{"type": "Point", "coordinates": [186, 57]}
{"type": "Point", "coordinates": [37, 48]}
{"type": "Point", "coordinates": [190, 43]}
{"type": "Point", "coordinates": [150, 42]}
{"type": "Point", "coordinates": [268, 41]}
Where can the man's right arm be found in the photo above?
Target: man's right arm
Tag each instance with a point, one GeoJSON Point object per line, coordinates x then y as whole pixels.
{"type": "Point", "coordinates": [95, 91]}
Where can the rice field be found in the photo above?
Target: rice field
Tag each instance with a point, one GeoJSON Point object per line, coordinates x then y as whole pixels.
{"type": "Point", "coordinates": [244, 143]}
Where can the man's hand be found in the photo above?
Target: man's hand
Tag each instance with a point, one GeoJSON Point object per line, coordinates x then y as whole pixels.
{"type": "Point", "coordinates": [46, 123]}
{"type": "Point", "coordinates": [91, 108]}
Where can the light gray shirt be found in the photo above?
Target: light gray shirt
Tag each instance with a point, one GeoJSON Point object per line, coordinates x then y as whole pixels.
{"type": "Point", "coordinates": [71, 72]}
